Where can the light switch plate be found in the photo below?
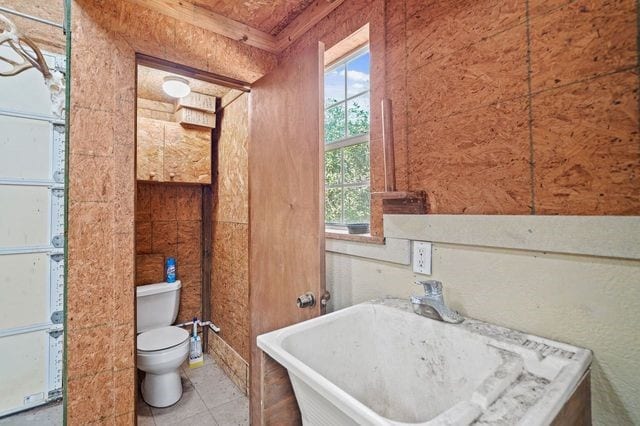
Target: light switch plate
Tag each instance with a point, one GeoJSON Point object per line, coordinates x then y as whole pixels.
{"type": "Point", "coordinates": [422, 257]}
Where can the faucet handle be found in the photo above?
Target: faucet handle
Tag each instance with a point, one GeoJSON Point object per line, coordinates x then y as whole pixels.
{"type": "Point", "coordinates": [431, 287]}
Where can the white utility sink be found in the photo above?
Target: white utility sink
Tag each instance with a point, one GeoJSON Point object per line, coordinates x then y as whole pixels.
{"type": "Point", "coordinates": [379, 363]}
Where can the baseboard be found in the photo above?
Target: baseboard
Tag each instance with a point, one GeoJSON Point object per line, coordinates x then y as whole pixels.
{"type": "Point", "coordinates": [230, 361]}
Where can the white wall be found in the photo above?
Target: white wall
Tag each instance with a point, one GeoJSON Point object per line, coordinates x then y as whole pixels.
{"type": "Point", "coordinates": [591, 299]}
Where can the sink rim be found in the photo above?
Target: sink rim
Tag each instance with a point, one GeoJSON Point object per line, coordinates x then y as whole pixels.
{"type": "Point", "coordinates": [560, 388]}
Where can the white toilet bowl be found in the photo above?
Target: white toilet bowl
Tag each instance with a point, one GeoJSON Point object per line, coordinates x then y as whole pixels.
{"type": "Point", "coordinates": [161, 351]}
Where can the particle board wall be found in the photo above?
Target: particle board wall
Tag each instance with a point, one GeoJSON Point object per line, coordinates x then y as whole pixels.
{"type": "Point", "coordinates": [229, 279]}
{"type": "Point", "coordinates": [169, 224]}
{"type": "Point", "coordinates": [504, 107]}
{"type": "Point", "coordinates": [100, 297]}
{"type": "Point", "coordinates": [46, 37]}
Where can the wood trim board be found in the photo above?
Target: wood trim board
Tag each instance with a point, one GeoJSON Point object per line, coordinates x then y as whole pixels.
{"type": "Point", "coordinates": [203, 18]}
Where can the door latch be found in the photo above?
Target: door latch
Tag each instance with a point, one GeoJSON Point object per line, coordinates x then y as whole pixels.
{"type": "Point", "coordinates": [325, 298]}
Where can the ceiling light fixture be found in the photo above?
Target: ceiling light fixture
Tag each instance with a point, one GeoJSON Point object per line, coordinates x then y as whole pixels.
{"type": "Point", "coordinates": [176, 87]}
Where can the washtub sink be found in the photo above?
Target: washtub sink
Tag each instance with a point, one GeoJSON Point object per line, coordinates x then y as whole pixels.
{"type": "Point", "coordinates": [378, 363]}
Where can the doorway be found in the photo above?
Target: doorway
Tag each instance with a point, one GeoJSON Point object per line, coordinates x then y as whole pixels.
{"type": "Point", "coordinates": [188, 172]}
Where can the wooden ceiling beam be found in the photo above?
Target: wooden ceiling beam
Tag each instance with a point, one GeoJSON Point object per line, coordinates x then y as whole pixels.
{"type": "Point", "coordinates": [311, 15]}
{"type": "Point", "coordinates": [203, 18]}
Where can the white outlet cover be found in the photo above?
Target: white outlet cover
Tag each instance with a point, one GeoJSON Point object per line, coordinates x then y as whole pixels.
{"type": "Point", "coordinates": [421, 259]}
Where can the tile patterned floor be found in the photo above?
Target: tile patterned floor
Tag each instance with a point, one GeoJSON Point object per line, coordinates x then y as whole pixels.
{"type": "Point", "coordinates": [50, 415]}
{"type": "Point", "coordinates": [209, 398]}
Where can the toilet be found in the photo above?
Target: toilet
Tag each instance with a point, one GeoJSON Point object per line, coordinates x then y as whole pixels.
{"type": "Point", "coordinates": [161, 347]}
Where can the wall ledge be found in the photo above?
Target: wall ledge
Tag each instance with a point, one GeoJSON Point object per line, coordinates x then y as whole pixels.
{"type": "Point", "coordinates": [601, 236]}
{"type": "Point", "coordinates": [393, 250]}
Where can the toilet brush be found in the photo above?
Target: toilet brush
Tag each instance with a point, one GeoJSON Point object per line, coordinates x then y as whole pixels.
{"type": "Point", "coordinates": [196, 358]}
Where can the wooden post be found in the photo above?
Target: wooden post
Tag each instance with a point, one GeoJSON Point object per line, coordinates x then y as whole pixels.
{"type": "Point", "coordinates": [207, 230]}
{"type": "Point", "coordinates": [387, 146]}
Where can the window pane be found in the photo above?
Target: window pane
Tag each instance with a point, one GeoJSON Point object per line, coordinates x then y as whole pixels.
{"type": "Point", "coordinates": [332, 167]}
{"type": "Point", "coordinates": [334, 123]}
{"type": "Point", "coordinates": [334, 86]}
{"type": "Point", "coordinates": [358, 115]}
{"type": "Point", "coordinates": [356, 205]}
{"type": "Point", "coordinates": [333, 205]}
{"type": "Point", "coordinates": [358, 75]}
{"type": "Point", "coordinates": [356, 163]}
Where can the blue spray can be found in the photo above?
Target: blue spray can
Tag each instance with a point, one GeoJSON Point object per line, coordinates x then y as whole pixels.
{"type": "Point", "coordinates": [171, 270]}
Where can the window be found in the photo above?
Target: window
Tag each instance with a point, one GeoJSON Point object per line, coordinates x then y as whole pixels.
{"type": "Point", "coordinates": [346, 135]}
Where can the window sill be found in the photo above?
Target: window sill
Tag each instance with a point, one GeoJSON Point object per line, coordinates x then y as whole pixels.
{"type": "Point", "coordinates": [359, 238]}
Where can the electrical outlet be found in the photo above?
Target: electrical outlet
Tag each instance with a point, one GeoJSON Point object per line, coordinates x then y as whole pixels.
{"type": "Point", "coordinates": [422, 257]}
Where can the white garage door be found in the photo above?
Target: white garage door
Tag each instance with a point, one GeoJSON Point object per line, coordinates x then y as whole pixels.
{"type": "Point", "coordinates": [32, 143]}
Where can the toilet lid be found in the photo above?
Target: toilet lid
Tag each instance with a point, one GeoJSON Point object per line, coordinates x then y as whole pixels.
{"type": "Point", "coordinates": [161, 338]}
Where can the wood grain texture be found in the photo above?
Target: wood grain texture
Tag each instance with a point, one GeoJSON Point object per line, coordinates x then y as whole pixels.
{"type": "Point", "coordinates": [170, 152]}
{"type": "Point", "coordinates": [577, 410]}
{"type": "Point", "coordinates": [350, 44]}
{"type": "Point", "coordinates": [150, 147]}
{"type": "Point", "coordinates": [286, 249]}
{"type": "Point", "coordinates": [155, 110]}
{"type": "Point", "coordinates": [46, 37]}
{"type": "Point", "coordinates": [187, 154]}
{"type": "Point", "coordinates": [265, 15]}
{"type": "Point", "coordinates": [178, 233]}
{"type": "Point", "coordinates": [149, 268]}
{"type": "Point", "coordinates": [347, 19]}
{"type": "Point", "coordinates": [310, 16]}
{"type": "Point", "coordinates": [587, 147]}
{"type": "Point", "coordinates": [474, 162]}
{"type": "Point", "coordinates": [232, 186]}
{"type": "Point", "coordinates": [105, 38]}
{"type": "Point", "coordinates": [583, 39]}
{"type": "Point", "coordinates": [201, 17]}
{"type": "Point", "coordinates": [236, 368]}
{"type": "Point", "coordinates": [194, 117]}
{"type": "Point", "coordinates": [200, 101]}
{"type": "Point", "coordinates": [150, 86]}
{"type": "Point", "coordinates": [280, 405]}
{"type": "Point", "coordinates": [437, 29]}
{"type": "Point", "coordinates": [491, 70]}
{"type": "Point", "coordinates": [230, 284]}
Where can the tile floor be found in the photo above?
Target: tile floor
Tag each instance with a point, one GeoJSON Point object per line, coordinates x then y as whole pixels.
{"type": "Point", "coordinates": [50, 415]}
{"type": "Point", "coordinates": [209, 398]}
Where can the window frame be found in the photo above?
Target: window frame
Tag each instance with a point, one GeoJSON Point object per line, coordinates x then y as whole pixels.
{"type": "Point", "coordinates": [348, 141]}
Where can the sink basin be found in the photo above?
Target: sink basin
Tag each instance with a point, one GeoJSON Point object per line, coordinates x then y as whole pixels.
{"type": "Point", "coordinates": [378, 363]}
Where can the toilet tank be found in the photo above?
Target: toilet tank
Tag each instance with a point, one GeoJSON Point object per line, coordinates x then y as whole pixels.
{"type": "Point", "coordinates": [157, 305]}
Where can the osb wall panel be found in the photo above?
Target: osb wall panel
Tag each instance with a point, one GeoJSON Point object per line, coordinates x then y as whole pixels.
{"type": "Point", "coordinates": [46, 37]}
{"type": "Point", "coordinates": [232, 195]}
{"type": "Point", "coordinates": [230, 361]}
{"type": "Point", "coordinates": [268, 16]}
{"type": "Point", "coordinates": [504, 107]}
{"type": "Point", "coordinates": [230, 284]}
{"type": "Point", "coordinates": [100, 288]}
{"type": "Point", "coordinates": [229, 278]}
{"type": "Point", "coordinates": [170, 152]}
{"type": "Point", "coordinates": [187, 154]}
{"type": "Point", "coordinates": [169, 224]}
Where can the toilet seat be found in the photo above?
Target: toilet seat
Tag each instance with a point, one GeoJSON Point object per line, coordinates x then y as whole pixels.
{"type": "Point", "coordinates": [160, 339]}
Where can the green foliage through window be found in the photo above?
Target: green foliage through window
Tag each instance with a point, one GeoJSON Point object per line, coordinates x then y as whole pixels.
{"type": "Point", "coordinates": [346, 126]}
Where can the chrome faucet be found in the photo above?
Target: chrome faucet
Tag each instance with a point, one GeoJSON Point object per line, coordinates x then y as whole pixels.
{"type": "Point", "coordinates": [433, 300]}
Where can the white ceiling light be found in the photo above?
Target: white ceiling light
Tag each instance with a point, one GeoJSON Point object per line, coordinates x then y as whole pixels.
{"type": "Point", "coordinates": [176, 87]}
